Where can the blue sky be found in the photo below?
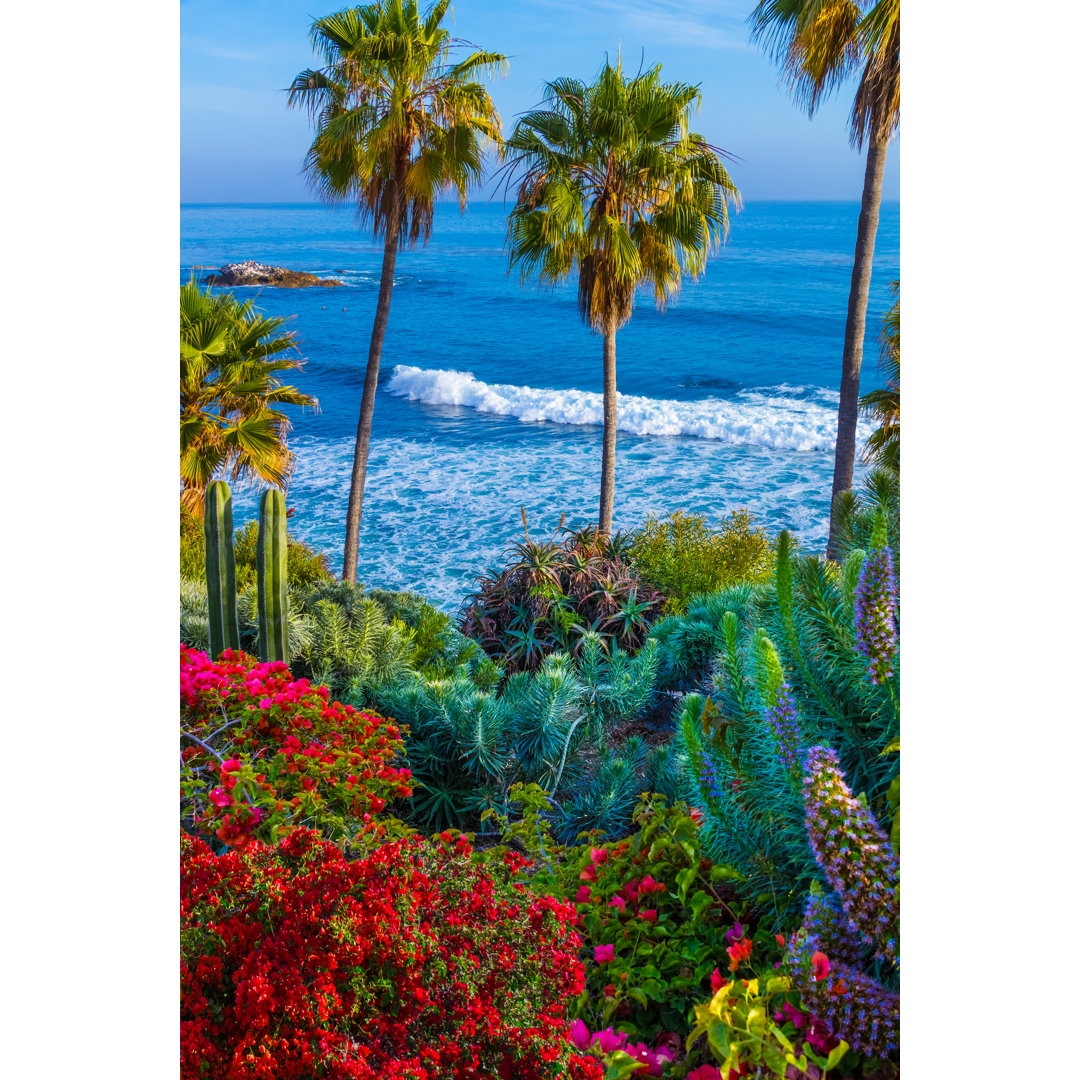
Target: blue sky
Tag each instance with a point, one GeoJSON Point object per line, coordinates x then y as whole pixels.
{"type": "Point", "coordinates": [239, 142]}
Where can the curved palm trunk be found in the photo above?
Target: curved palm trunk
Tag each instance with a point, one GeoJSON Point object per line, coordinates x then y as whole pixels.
{"type": "Point", "coordinates": [367, 402]}
{"type": "Point", "coordinates": [848, 414]}
{"type": "Point", "coordinates": [607, 467]}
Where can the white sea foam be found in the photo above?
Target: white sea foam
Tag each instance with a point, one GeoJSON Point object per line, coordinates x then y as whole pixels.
{"type": "Point", "coordinates": [772, 417]}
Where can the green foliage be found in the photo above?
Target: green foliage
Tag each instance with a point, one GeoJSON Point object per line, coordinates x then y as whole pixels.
{"type": "Point", "coordinates": [683, 555]}
{"type": "Point", "coordinates": [796, 636]}
{"type": "Point", "coordinates": [471, 737]}
{"type": "Point", "coordinates": [306, 565]}
{"type": "Point", "coordinates": [550, 595]}
{"type": "Point", "coordinates": [857, 512]}
{"type": "Point", "coordinates": [883, 405]}
{"type": "Point", "coordinates": [230, 393]}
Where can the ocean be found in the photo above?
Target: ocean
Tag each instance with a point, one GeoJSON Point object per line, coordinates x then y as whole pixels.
{"type": "Point", "coordinates": [490, 391]}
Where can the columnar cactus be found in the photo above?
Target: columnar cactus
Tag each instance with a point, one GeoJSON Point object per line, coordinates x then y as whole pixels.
{"type": "Point", "coordinates": [220, 568]}
{"type": "Point", "coordinates": [271, 564]}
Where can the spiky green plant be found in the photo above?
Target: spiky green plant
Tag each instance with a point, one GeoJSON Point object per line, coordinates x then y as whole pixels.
{"type": "Point", "coordinates": [271, 567]}
{"type": "Point", "coordinates": [224, 632]}
{"type": "Point", "coordinates": [552, 593]}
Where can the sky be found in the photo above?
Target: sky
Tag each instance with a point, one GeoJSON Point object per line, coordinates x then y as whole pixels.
{"type": "Point", "coordinates": [240, 143]}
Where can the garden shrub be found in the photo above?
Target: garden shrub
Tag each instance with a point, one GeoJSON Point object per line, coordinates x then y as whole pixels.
{"type": "Point", "coordinates": [683, 555]}
{"type": "Point", "coordinates": [549, 594]}
{"type": "Point", "coordinates": [411, 963]}
{"type": "Point", "coordinates": [306, 566]}
{"type": "Point", "coordinates": [262, 753]}
{"type": "Point", "coordinates": [471, 737]}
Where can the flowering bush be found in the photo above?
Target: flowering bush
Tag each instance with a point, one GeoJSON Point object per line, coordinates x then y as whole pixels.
{"type": "Point", "coordinates": [262, 753]}
{"type": "Point", "coordinates": [410, 964]}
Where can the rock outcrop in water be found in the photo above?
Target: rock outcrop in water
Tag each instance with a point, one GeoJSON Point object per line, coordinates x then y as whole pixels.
{"type": "Point", "coordinates": [253, 273]}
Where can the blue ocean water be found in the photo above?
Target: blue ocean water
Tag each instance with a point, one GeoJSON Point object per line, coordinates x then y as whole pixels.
{"type": "Point", "coordinates": [489, 391]}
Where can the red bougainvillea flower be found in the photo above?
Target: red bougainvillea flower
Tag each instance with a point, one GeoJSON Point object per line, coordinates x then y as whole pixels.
{"type": "Point", "coordinates": [779, 940]}
{"type": "Point", "coordinates": [598, 855]}
{"type": "Point", "coordinates": [231, 765]}
{"type": "Point", "coordinates": [220, 797]}
{"type": "Point", "coordinates": [649, 885]}
{"type": "Point", "coordinates": [609, 990]}
{"type": "Point", "coordinates": [704, 1072]}
{"type": "Point", "coordinates": [583, 895]}
{"type": "Point", "coordinates": [648, 915]}
{"type": "Point", "coordinates": [740, 952]}
{"type": "Point", "coordinates": [604, 954]}
{"type": "Point", "coordinates": [820, 964]}
{"type": "Point", "coordinates": [618, 903]}
{"type": "Point", "coordinates": [716, 980]}
{"type": "Point", "coordinates": [588, 874]}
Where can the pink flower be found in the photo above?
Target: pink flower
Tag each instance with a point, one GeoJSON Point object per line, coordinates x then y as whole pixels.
{"type": "Point", "coordinates": [716, 980]}
{"type": "Point", "coordinates": [630, 890]}
{"type": "Point", "coordinates": [604, 954]}
{"type": "Point", "coordinates": [583, 894]}
{"type": "Point", "coordinates": [821, 965]}
{"type": "Point", "coordinates": [734, 934]}
{"type": "Point", "coordinates": [598, 855]}
{"type": "Point", "coordinates": [579, 1035]}
{"type": "Point", "coordinates": [649, 915]}
{"type": "Point", "coordinates": [619, 903]}
{"type": "Point", "coordinates": [640, 1052]}
{"type": "Point", "coordinates": [232, 765]}
{"type": "Point", "coordinates": [649, 885]}
{"type": "Point", "coordinates": [588, 874]}
{"type": "Point", "coordinates": [220, 797]}
{"type": "Point", "coordinates": [609, 1040]}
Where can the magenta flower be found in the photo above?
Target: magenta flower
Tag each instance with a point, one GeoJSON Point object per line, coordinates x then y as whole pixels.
{"type": "Point", "coordinates": [604, 954]}
{"type": "Point", "coordinates": [579, 1035]}
{"type": "Point", "coordinates": [649, 915]}
{"type": "Point", "coordinates": [619, 903]}
{"type": "Point", "coordinates": [220, 797]}
{"type": "Point", "coordinates": [609, 1040]}
{"type": "Point", "coordinates": [704, 1072]}
{"type": "Point", "coordinates": [583, 894]}
{"type": "Point", "coordinates": [598, 855]}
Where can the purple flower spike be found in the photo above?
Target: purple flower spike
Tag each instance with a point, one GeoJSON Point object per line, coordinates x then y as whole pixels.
{"type": "Point", "coordinates": [875, 614]}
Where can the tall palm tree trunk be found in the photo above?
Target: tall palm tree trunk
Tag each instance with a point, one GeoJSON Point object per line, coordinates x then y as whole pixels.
{"type": "Point", "coordinates": [607, 467]}
{"type": "Point", "coordinates": [371, 382]}
{"type": "Point", "coordinates": [858, 296]}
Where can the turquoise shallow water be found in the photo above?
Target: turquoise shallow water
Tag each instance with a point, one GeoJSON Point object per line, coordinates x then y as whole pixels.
{"type": "Point", "coordinates": [489, 391]}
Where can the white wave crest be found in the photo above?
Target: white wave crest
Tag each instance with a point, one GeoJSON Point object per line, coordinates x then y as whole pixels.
{"type": "Point", "coordinates": [761, 417]}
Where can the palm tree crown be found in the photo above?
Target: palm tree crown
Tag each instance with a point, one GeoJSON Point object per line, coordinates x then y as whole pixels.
{"type": "Point", "coordinates": [617, 185]}
{"type": "Point", "coordinates": [396, 122]}
{"type": "Point", "coordinates": [230, 359]}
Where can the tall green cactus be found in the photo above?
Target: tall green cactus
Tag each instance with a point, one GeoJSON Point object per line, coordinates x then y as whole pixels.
{"type": "Point", "coordinates": [271, 563]}
{"type": "Point", "coordinates": [220, 568]}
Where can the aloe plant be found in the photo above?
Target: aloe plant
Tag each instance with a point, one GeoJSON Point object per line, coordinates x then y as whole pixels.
{"type": "Point", "coordinates": [220, 568]}
{"type": "Point", "coordinates": [271, 564]}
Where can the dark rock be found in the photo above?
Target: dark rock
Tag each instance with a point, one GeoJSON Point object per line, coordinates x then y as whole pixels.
{"type": "Point", "coordinates": [253, 273]}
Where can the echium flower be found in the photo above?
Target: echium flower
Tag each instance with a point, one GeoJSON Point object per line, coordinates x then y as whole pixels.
{"type": "Point", "coordinates": [784, 723]}
{"type": "Point", "coordinates": [856, 856]}
{"type": "Point", "coordinates": [847, 1001]}
{"type": "Point", "coordinates": [829, 931]}
{"type": "Point", "coordinates": [875, 614]}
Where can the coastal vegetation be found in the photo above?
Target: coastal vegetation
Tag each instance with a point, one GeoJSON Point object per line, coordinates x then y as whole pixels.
{"type": "Point", "coordinates": [818, 45]}
{"type": "Point", "coordinates": [615, 185]}
{"type": "Point", "coordinates": [633, 808]}
{"type": "Point", "coordinates": [397, 124]}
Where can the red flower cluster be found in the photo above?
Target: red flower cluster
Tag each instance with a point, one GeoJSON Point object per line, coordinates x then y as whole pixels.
{"type": "Point", "coordinates": [262, 753]}
{"type": "Point", "coordinates": [410, 964]}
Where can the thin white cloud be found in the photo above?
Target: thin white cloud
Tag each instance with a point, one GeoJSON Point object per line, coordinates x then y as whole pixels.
{"type": "Point", "coordinates": [208, 48]}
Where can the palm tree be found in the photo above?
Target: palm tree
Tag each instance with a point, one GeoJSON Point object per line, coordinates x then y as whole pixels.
{"type": "Point", "coordinates": [615, 184]}
{"type": "Point", "coordinates": [396, 123]}
{"type": "Point", "coordinates": [230, 359]}
{"type": "Point", "coordinates": [819, 43]}
{"type": "Point", "coordinates": [883, 406]}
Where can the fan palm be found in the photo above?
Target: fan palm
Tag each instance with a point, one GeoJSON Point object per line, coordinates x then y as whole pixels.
{"type": "Point", "coordinates": [818, 44]}
{"type": "Point", "coordinates": [883, 406]}
{"type": "Point", "coordinates": [396, 123]}
{"type": "Point", "coordinates": [230, 359]}
{"type": "Point", "coordinates": [615, 185]}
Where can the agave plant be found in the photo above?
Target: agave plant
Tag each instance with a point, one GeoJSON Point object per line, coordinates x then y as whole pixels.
{"type": "Point", "coordinates": [551, 594]}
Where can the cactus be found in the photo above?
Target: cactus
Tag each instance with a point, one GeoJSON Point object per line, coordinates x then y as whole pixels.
{"type": "Point", "coordinates": [220, 569]}
{"type": "Point", "coordinates": [271, 562]}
